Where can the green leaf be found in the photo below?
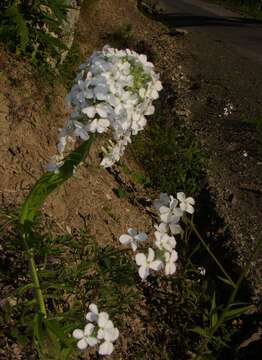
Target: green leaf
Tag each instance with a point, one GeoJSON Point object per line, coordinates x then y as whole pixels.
{"type": "Point", "coordinates": [54, 327]}
{"type": "Point", "coordinates": [24, 288]}
{"type": "Point", "coordinates": [38, 330]}
{"type": "Point", "coordinates": [213, 311]}
{"type": "Point", "coordinates": [226, 281]}
{"type": "Point", "coordinates": [51, 181]}
{"type": "Point", "coordinates": [232, 314]}
{"type": "Point", "coordinates": [200, 331]}
{"type": "Point", "coordinates": [13, 14]}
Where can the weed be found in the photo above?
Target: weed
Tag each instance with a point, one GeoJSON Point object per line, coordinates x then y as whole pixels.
{"type": "Point", "coordinates": [136, 177]}
{"type": "Point", "coordinates": [32, 28]}
{"type": "Point", "coordinates": [121, 36]}
{"type": "Point", "coordinates": [120, 192]}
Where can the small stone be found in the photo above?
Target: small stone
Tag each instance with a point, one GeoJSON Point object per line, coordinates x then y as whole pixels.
{"type": "Point", "coordinates": [178, 32]}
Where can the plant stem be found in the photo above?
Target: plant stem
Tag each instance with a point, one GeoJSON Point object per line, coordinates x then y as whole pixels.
{"type": "Point", "coordinates": [211, 254]}
{"type": "Point", "coordinates": [34, 276]}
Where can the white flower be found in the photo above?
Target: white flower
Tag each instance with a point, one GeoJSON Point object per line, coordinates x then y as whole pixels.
{"type": "Point", "coordinates": [106, 332]}
{"type": "Point", "coordinates": [101, 109]}
{"type": "Point", "coordinates": [110, 335]}
{"type": "Point", "coordinates": [186, 204]}
{"type": "Point", "coordinates": [164, 241]}
{"type": "Point", "coordinates": [92, 315]}
{"type": "Point", "coordinates": [99, 125]}
{"type": "Point", "coordinates": [55, 164]}
{"type": "Point", "coordinates": [170, 262]}
{"type": "Point", "coordinates": [85, 337]}
{"type": "Point", "coordinates": [147, 263]}
{"type": "Point", "coordinates": [170, 214]}
{"type": "Point", "coordinates": [133, 237]}
{"type": "Point", "coordinates": [80, 131]}
{"type": "Point", "coordinates": [202, 270]}
{"type": "Point", "coordinates": [103, 321]}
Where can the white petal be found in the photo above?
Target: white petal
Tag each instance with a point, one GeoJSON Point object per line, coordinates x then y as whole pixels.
{"type": "Point", "coordinates": [156, 265]}
{"type": "Point", "coordinates": [90, 316]}
{"type": "Point", "coordinates": [101, 110]}
{"type": "Point", "coordinates": [109, 325]}
{"type": "Point", "coordinates": [190, 209]}
{"type": "Point", "coordinates": [170, 268]}
{"type": "Point", "coordinates": [150, 110]}
{"type": "Point", "coordinates": [78, 334]}
{"type": "Point", "coordinates": [89, 328]}
{"type": "Point", "coordinates": [174, 256]}
{"type": "Point", "coordinates": [106, 348]}
{"type": "Point", "coordinates": [111, 334]}
{"type": "Point", "coordinates": [143, 272]}
{"type": "Point", "coordinates": [92, 341]}
{"type": "Point", "coordinates": [140, 259]}
{"type": "Point", "coordinates": [100, 334]}
{"type": "Point", "coordinates": [164, 210]}
{"type": "Point", "coordinates": [158, 235]}
{"type": "Point", "coordinates": [90, 111]}
{"type": "Point", "coordinates": [103, 318]}
{"type": "Point", "coordinates": [190, 201]}
{"type": "Point", "coordinates": [132, 232]}
{"type": "Point", "coordinates": [141, 237]}
{"type": "Point", "coordinates": [82, 344]}
{"type": "Point", "coordinates": [125, 239]}
{"type": "Point", "coordinates": [151, 255]}
{"type": "Point", "coordinates": [181, 196]}
{"type": "Point", "coordinates": [134, 246]}
{"type": "Point", "coordinates": [102, 125]}
{"type": "Point", "coordinates": [93, 308]}
{"type": "Point", "coordinates": [162, 227]}
{"type": "Point", "coordinates": [82, 133]}
{"type": "Point", "coordinates": [175, 229]}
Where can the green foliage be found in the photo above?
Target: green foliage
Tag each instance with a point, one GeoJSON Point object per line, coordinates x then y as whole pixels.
{"type": "Point", "coordinates": [169, 152]}
{"type": "Point", "coordinates": [33, 27]}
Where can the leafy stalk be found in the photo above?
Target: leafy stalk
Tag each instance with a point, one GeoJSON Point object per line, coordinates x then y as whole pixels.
{"type": "Point", "coordinates": [43, 187]}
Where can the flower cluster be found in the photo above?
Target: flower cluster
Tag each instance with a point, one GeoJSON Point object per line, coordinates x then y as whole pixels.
{"type": "Point", "coordinates": [99, 330]}
{"type": "Point", "coordinates": [113, 89]}
{"type": "Point", "coordinates": [164, 256]}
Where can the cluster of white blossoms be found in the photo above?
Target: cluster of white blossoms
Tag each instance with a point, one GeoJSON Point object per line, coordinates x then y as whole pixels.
{"type": "Point", "coordinates": [114, 89]}
{"type": "Point", "coordinates": [99, 330]}
{"type": "Point", "coordinates": [164, 256]}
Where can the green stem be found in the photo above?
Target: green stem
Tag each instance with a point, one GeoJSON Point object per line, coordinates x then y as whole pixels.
{"type": "Point", "coordinates": [38, 292]}
{"type": "Point", "coordinates": [211, 254]}
{"type": "Point", "coordinates": [34, 276]}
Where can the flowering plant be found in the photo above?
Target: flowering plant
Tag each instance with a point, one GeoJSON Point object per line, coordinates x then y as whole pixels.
{"type": "Point", "coordinates": [113, 92]}
{"type": "Point", "coordinates": [98, 329]}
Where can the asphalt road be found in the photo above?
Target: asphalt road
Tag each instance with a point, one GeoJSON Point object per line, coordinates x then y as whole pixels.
{"type": "Point", "coordinates": [243, 34]}
{"type": "Point", "coordinates": [221, 56]}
